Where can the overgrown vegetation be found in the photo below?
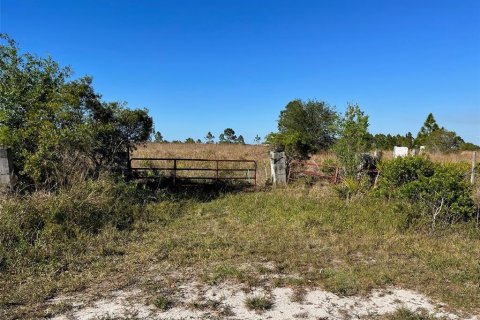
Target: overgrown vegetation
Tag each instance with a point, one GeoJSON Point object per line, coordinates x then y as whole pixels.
{"type": "Point", "coordinates": [305, 232]}
{"type": "Point", "coordinates": [440, 191]}
{"type": "Point", "coordinates": [56, 127]}
{"type": "Point", "coordinates": [74, 219]}
{"type": "Point", "coordinates": [44, 231]}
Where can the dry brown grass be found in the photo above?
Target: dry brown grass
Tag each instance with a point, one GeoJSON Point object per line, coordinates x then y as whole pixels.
{"type": "Point", "coordinates": [453, 157]}
{"type": "Point", "coordinates": [259, 153]}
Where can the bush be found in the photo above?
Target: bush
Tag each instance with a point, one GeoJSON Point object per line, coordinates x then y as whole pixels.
{"type": "Point", "coordinates": [41, 228]}
{"type": "Point", "coordinates": [353, 140]}
{"type": "Point", "coordinates": [440, 190]}
{"type": "Point", "coordinates": [57, 127]}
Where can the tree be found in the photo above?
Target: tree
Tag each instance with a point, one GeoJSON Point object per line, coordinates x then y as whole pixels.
{"type": "Point", "coordinates": [56, 126]}
{"type": "Point", "coordinates": [240, 140]}
{"type": "Point", "coordinates": [209, 138]}
{"type": "Point", "coordinates": [257, 139]}
{"type": "Point", "coordinates": [228, 136]}
{"type": "Point", "coordinates": [353, 139]}
{"type": "Point", "coordinates": [409, 140]}
{"type": "Point", "coordinates": [304, 128]}
{"type": "Point", "coordinates": [429, 126]}
{"type": "Point", "coordinates": [189, 140]}
{"type": "Point", "coordinates": [442, 140]}
{"type": "Point", "coordinates": [468, 146]}
{"type": "Point", "coordinates": [158, 137]}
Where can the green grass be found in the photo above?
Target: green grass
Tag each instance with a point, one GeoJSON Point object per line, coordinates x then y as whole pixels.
{"type": "Point", "coordinates": [348, 247]}
{"type": "Point", "coordinates": [163, 303]}
{"type": "Point", "coordinates": [405, 314]}
{"type": "Point", "coordinates": [258, 303]}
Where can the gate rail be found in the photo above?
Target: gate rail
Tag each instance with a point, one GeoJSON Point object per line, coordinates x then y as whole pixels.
{"type": "Point", "coordinates": [134, 170]}
{"type": "Point", "coordinates": [310, 168]}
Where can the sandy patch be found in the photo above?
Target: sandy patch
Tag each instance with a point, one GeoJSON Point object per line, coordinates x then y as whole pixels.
{"type": "Point", "coordinates": [227, 301]}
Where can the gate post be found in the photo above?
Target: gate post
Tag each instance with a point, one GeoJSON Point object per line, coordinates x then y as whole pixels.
{"type": "Point", "coordinates": [6, 168]}
{"type": "Point", "coordinates": [279, 168]}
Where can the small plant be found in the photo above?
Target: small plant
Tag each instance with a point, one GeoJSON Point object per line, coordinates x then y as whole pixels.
{"type": "Point", "coordinates": [406, 314]}
{"type": "Point", "coordinates": [352, 187]}
{"type": "Point", "coordinates": [259, 303]}
{"type": "Point", "coordinates": [208, 304]}
{"type": "Point", "coordinates": [163, 303]}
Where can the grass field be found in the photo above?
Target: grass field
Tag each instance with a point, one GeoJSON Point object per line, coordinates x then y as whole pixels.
{"type": "Point", "coordinates": [297, 237]}
{"type": "Point", "coordinates": [307, 235]}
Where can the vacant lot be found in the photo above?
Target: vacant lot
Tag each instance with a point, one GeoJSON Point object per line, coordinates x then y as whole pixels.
{"type": "Point", "coordinates": [298, 238]}
{"type": "Point", "coordinates": [101, 247]}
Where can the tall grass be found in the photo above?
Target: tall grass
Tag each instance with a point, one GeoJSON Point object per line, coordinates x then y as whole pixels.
{"type": "Point", "coordinates": [259, 153]}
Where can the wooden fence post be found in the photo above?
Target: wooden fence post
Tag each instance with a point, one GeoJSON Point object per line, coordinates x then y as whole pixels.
{"type": "Point", "coordinates": [174, 172]}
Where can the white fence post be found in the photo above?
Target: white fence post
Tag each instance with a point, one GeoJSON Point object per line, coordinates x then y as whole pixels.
{"type": "Point", "coordinates": [6, 168]}
{"type": "Point", "coordinates": [279, 168]}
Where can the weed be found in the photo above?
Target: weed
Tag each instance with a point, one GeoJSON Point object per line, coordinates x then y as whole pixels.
{"type": "Point", "coordinates": [406, 314]}
{"type": "Point", "coordinates": [163, 303]}
{"type": "Point", "coordinates": [259, 303]}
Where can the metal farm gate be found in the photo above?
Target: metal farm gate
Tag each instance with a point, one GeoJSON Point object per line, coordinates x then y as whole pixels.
{"type": "Point", "coordinates": [185, 170]}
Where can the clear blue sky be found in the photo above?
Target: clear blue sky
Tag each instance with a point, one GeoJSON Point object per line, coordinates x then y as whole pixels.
{"type": "Point", "coordinates": [203, 66]}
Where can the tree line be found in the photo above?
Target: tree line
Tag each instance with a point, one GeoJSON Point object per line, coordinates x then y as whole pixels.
{"type": "Point", "coordinates": [306, 127]}
{"type": "Point", "coordinates": [228, 136]}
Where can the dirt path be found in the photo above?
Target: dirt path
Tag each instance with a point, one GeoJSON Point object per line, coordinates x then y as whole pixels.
{"type": "Point", "coordinates": [229, 301]}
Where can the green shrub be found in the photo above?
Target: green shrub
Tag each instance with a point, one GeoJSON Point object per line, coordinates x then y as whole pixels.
{"type": "Point", "coordinates": [259, 303]}
{"type": "Point", "coordinates": [44, 227]}
{"type": "Point", "coordinates": [351, 187]}
{"type": "Point", "coordinates": [440, 190]}
{"type": "Point", "coordinates": [58, 127]}
{"type": "Point", "coordinates": [353, 140]}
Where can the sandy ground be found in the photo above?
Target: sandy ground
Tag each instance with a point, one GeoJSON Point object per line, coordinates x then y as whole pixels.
{"type": "Point", "coordinates": [227, 301]}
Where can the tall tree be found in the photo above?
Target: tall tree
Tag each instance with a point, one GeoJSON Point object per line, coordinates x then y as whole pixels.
{"type": "Point", "coordinates": [228, 136]}
{"type": "Point", "coordinates": [209, 138]}
{"type": "Point", "coordinates": [158, 137]}
{"type": "Point", "coordinates": [240, 140]}
{"type": "Point", "coordinates": [305, 127]}
{"type": "Point", "coordinates": [429, 126]}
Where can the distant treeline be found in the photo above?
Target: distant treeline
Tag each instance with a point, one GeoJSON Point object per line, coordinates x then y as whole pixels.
{"type": "Point", "coordinates": [227, 136]}
{"type": "Point", "coordinates": [430, 135]}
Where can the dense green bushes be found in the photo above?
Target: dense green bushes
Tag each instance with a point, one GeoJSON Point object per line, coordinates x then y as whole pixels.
{"type": "Point", "coordinates": [440, 191]}
{"type": "Point", "coordinates": [57, 127]}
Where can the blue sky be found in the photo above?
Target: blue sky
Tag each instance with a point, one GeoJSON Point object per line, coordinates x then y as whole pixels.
{"type": "Point", "coordinates": [202, 66]}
